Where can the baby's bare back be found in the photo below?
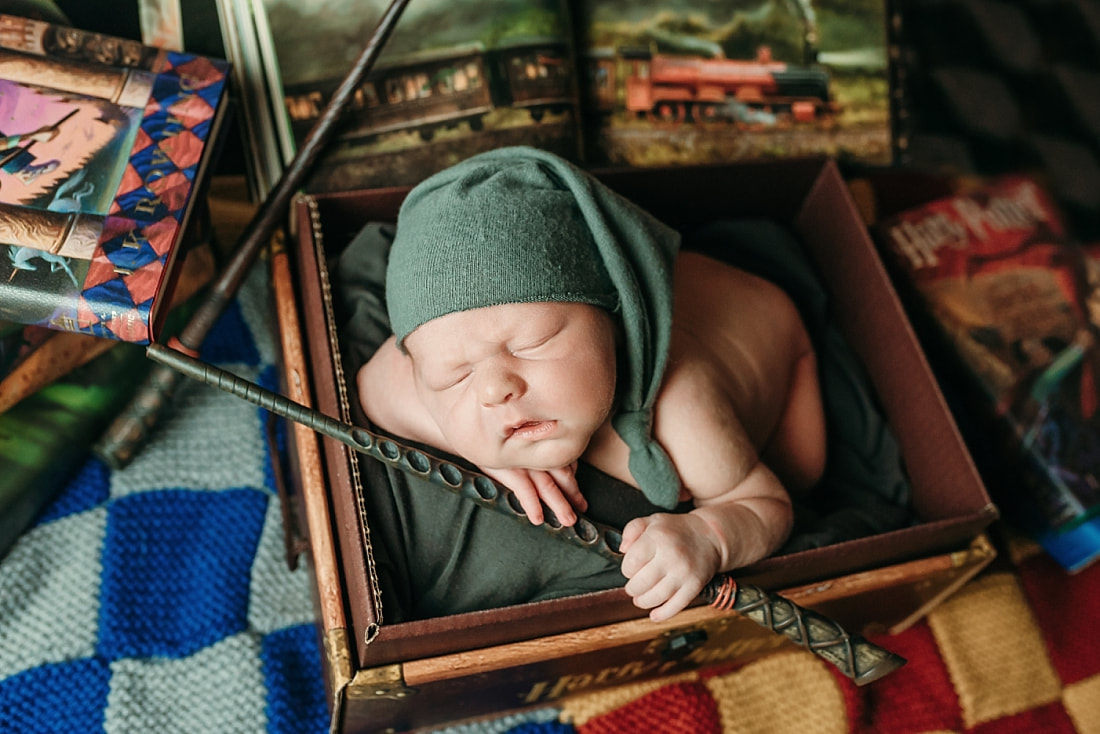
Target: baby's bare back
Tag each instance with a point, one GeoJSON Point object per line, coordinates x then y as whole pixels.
{"type": "Point", "coordinates": [747, 330]}
{"type": "Point", "coordinates": [740, 385]}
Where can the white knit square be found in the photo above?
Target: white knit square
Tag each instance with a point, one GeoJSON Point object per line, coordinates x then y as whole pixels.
{"type": "Point", "coordinates": [211, 440]}
{"type": "Point", "coordinates": [256, 302]}
{"type": "Point", "coordinates": [218, 689]}
{"type": "Point", "coordinates": [277, 597]}
{"type": "Point", "coordinates": [49, 592]}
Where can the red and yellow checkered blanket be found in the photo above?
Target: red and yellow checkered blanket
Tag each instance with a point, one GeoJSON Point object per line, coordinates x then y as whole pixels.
{"type": "Point", "coordinates": [1016, 650]}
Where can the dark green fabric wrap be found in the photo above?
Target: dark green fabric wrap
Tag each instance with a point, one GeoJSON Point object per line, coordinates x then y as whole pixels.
{"type": "Point", "coordinates": [521, 225]}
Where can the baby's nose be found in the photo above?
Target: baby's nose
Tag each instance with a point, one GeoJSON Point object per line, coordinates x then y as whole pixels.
{"type": "Point", "coordinates": [499, 386]}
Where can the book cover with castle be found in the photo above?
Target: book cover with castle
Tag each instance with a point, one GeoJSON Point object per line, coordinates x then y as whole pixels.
{"type": "Point", "coordinates": [1018, 302]}
{"type": "Point", "coordinates": [104, 142]}
{"type": "Point", "coordinates": [602, 82]}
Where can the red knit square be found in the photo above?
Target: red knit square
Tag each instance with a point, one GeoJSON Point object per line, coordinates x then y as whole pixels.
{"type": "Point", "coordinates": [1065, 608]}
{"type": "Point", "coordinates": [678, 708]}
{"type": "Point", "coordinates": [919, 696]}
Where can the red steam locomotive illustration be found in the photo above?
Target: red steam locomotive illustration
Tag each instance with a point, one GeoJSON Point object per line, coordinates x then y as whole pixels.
{"type": "Point", "coordinates": [691, 88]}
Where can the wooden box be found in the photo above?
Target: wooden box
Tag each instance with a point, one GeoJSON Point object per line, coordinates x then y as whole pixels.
{"type": "Point", "coordinates": [400, 677]}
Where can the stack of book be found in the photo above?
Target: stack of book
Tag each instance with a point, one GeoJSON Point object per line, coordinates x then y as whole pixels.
{"type": "Point", "coordinates": [104, 146]}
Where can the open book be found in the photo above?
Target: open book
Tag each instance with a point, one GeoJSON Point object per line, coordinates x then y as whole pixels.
{"type": "Point", "coordinates": [104, 142]}
{"type": "Point", "coordinates": [602, 82]}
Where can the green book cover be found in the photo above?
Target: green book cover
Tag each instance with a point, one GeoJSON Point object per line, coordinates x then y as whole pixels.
{"type": "Point", "coordinates": [46, 438]}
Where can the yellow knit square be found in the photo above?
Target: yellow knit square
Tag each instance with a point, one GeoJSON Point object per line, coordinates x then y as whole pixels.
{"type": "Point", "coordinates": [808, 701]}
{"type": "Point", "coordinates": [993, 650]}
{"type": "Point", "coordinates": [1082, 701]}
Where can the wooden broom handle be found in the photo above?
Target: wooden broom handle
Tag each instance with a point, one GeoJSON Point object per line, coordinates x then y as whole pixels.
{"type": "Point", "coordinates": [129, 432]}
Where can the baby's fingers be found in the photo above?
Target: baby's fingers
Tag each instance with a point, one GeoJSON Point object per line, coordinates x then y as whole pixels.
{"type": "Point", "coordinates": [566, 478]}
{"type": "Point", "coordinates": [523, 488]}
{"type": "Point", "coordinates": [528, 495]}
{"type": "Point", "coordinates": [551, 493]}
{"type": "Point", "coordinates": [678, 602]}
{"type": "Point", "coordinates": [631, 533]}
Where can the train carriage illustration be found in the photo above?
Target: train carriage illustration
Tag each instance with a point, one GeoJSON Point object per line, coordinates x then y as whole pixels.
{"type": "Point", "coordinates": [443, 88]}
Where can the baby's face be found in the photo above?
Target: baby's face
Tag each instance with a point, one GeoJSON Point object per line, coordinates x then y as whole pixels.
{"type": "Point", "coordinates": [520, 385]}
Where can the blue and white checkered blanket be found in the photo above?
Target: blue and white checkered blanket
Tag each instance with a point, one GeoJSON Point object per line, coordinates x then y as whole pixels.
{"type": "Point", "coordinates": [157, 598]}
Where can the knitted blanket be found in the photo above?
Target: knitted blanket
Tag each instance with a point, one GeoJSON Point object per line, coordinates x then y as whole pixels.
{"type": "Point", "coordinates": [157, 598]}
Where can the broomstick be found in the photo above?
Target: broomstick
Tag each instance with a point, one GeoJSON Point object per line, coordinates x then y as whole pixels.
{"type": "Point", "coordinates": [130, 430]}
{"type": "Point", "coordinates": [855, 657]}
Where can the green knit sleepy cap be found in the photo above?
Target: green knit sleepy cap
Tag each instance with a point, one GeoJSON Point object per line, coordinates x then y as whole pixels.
{"type": "Point", "coordinates": [521, 225]}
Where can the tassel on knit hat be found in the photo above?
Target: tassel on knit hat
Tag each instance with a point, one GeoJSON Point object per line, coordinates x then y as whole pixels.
{"type": "Point", "coordinates": [521, 225]}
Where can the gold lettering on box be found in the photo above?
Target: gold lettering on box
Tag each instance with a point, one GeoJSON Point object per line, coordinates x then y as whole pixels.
{"type": "Point", "coordinates": [133, 241]}
{"type": "Point", "coordinates": [741, 646]}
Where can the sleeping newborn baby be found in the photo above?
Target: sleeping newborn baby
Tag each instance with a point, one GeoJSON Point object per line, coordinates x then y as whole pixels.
{"type": "Point", "coordinates": [540, 319]}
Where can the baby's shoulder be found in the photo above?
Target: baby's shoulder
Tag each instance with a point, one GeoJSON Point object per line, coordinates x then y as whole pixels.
{"type": "Point", "coordinates": [703, 284]}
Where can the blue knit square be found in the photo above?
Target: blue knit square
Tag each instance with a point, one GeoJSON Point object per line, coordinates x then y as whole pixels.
{"type": "Point", "coordinates": [231, 340]}
{"type": "Point", "coordinates": [176, 570]}
{"type": "Point", "coordinates": [89, 488]}
{"type": "Point", "coordinates": [56, 698]}
{"type": "Point", "coordinates": [295, 682]}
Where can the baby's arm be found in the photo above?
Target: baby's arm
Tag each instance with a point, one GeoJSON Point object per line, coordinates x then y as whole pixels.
{"type": "Point", "coordinates": [670, 558]}
{"type": "Point", "coordinates": [742, 513]}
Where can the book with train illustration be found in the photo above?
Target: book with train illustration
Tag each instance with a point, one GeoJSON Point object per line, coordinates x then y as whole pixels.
{"type": "Point", "coordinates": [105, 142]}
{"type": "Point", "coordinates": [1016, 303]}
{"type": "Point", "coordinates": [603, 82]}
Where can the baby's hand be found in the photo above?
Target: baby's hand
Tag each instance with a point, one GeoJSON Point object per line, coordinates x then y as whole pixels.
{"type": "Point", "coordinates": [669, 559]}
{"type": "Point", "coordinates": [558, 488]}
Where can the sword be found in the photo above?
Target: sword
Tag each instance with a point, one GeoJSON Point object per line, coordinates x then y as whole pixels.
{"type": "Point", "coordinates": [851, 654]}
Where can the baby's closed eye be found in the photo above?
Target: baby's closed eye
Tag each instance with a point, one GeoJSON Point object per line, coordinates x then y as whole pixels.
{"type": "Point", "coordinates": [456, 379]}
{"type": "Point", "coordinates": [531, 348]}
{"type": "Point", "coordinates": [446, 379]}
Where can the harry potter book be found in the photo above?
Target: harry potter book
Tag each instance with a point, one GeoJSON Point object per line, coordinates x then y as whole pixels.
{"type": "Point", "coordinates": [103, 145]}
{"type": "Point", "coordinates": [1017, 303]}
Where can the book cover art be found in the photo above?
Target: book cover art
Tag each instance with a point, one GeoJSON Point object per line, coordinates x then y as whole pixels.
{"type": "Point", "coordinates": [102, 147]}
{"type": "Point", "coordinates": [670, 83]}
{"type": "Point", "coordinates": [455, 78]}
{"type": "Point", "coordinates": [1019, 304]}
